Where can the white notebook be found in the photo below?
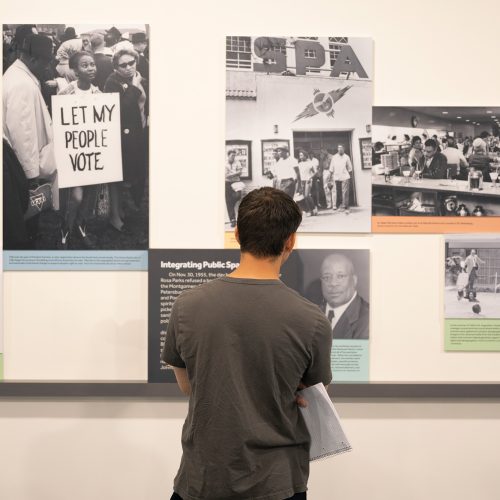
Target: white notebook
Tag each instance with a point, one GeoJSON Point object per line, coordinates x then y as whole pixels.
{"type": "Point", "coordinates": [327, 436]}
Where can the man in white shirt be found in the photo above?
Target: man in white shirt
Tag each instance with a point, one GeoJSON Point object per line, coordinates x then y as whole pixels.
{"type": "Point", "coordinates": [472, 266]}
{"type": "Point", "coordinates": [287, 172]}
{"type": "Point", "coordinates": [27, 125]}
{"type": "Point", "coordinates": [347, 312]}
{"type": "Point", "coordinates": [457, 163]}
{"type": "Point", "coordinates": [340, 172]}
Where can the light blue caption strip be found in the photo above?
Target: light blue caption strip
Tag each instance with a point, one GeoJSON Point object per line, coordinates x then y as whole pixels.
{"type": "Point", "coordinates": [75, 260]}
{"type": "Point", "coordinates": [350, 360]}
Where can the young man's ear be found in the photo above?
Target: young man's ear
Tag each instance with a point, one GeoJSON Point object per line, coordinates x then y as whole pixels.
{"type": "Point", "coordinates": [237, 234]}
{"type": "Point", "coordinates": [290, 243]}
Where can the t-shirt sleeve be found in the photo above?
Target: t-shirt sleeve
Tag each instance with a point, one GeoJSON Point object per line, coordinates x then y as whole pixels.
{"type": "Point", "coordinates": [171, 353]}
{"type": "Point", "coordinates": [319, 369]}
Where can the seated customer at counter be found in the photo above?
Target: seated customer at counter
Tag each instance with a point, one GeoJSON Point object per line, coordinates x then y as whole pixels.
{"type": "Point", "coordinates": [457, 164]}
{"type": "Point", "coordinates": [416, 155]}
{"type": "Point", "coordinates": [480, 159]}
{"type": "Point", "coordinates": [435, 163]}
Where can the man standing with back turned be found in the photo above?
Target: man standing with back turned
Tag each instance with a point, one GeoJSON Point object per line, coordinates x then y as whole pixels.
{"type": "Point", "coordinates": [240, 346]}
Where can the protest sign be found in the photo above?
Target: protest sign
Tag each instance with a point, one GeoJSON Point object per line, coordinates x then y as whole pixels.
{"type": "Point", "coordinates": [87, 139]}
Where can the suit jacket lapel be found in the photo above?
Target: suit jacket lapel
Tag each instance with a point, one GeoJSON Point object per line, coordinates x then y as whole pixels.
{"type": "Point", "coordinates": [344, 329]}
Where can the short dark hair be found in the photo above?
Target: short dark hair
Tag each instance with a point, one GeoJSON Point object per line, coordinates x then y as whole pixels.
{"type": "Point", "coordinates": [378, 145]}
{"type": "Point", "coordinates": [414, 139]}
{"type": "Point", "coordinates": [432, 143]}
{"type": "Point", "coordinates": [484, 134]}
{"type": "Point", "coordinates": [75, 59]}
{"type": "Point", "coordinates": [451, 142]}
{"type": "Point", "coordinates": [267, 217]}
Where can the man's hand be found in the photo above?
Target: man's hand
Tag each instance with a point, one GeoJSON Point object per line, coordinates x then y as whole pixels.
{"type": "Point", "coordinates": [33, 183]}
{"type": "Point", "coordinates": [300, 400]}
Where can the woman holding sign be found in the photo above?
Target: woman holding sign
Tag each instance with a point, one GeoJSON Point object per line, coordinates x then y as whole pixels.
{"type": "Point", "coordinates": [77, 203]}
{"type": "Point", "coordinates": [128, 82]}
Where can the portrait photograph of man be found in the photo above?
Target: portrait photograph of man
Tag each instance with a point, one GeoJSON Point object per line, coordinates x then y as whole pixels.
{"type": "Point", "coordinates": [338, 282]}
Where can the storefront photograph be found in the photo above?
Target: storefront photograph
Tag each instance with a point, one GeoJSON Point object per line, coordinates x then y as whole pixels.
{"type": "Point", "coordinates": [436, 161]}
{"type": "Point", "coordinates": [298, 118]}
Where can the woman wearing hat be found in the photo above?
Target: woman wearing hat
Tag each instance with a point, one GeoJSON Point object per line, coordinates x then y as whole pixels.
{"type": "Point", "coordinates": [131, 86]}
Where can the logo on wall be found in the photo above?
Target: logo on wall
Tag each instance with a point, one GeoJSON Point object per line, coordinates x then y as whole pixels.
{"type": "Point", "coordinates": [323, 102]}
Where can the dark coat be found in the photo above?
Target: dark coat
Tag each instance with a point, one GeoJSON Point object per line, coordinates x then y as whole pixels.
{"type": "Point", "coordinates": [437, 168]}
{"type": "Point", "coordinates": [15, 201]}
{"type": "Point", "coordinates": [134, 136]}
{"type": "Point", "coordinates": [104, 68]}
{"type": "Point", "coordinates": [354, 323]}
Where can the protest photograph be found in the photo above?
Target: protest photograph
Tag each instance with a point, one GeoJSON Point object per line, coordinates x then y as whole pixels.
{"type": "Point", "coordinates": [472, 277]}
{"type": "Point", "coordinates": [298, 118]}
{"type": "Point", "coordinates": [75, 137]}
{"type": "Point", "coordinates": [437, 161]}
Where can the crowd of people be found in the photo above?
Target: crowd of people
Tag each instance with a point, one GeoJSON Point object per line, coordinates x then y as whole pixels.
{"type": "Point", "coordinates": [36, 67]}
{"type": "Point", "coordinates": [317, 182]}
{"type": "Point", "coordinates": [446, 157]}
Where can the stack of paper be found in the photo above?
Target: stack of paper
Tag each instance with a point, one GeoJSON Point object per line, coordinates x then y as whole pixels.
{"type": "Point", "coordinates": [327, 436]}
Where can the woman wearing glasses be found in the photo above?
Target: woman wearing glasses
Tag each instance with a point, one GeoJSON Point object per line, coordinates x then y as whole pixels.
{"type": "Point", "coordinates": [128, 82]}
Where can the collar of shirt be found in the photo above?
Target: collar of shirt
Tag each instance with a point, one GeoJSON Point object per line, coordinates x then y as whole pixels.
{"type": "Point", "coordinates": [20, 65]}
{"type": "Point", "coordinates": [338, 311]}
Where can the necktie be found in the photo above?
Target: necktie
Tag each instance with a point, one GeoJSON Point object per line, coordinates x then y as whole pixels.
{"type": "Point", "coordinates": [331, 315]}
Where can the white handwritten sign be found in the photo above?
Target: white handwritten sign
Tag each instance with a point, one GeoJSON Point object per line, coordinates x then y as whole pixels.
{"type": "Point", "coordinates": [87, 139]}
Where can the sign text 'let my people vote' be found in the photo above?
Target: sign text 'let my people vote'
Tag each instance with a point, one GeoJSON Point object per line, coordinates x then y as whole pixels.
{"type": "Point", "coordinates": [87, 139]}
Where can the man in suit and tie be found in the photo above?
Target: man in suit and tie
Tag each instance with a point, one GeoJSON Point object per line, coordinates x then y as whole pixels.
{"type": "Point", "coordinates": [347, 312]}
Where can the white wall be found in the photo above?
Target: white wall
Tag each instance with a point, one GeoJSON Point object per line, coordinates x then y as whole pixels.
{"type": "Point", "coordinates": [88, 449]}
{"type": "Point", "coordinates": [120, 450]}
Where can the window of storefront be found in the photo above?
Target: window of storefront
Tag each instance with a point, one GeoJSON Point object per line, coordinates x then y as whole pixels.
{"type": "Point", "coordinates": [239, 52]}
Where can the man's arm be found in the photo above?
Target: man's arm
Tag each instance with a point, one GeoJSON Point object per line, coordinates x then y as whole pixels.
{"type": "Point", "coordinates": [442, 166]}
{"type": "Point", "coordinates": [20, 123]}
{"type": "Point", "coordinates": [348, 164]}
{"type": "Point", "coordinates": [299, 180]}
{"type": "Point", "coordinates": [461, 160]}
{"type": "Point", "coordinates": [171, 353]}
{"type": "Point", "coordinates": [182, 380]}
{"type": "Point", "coordinates": [319, 369]}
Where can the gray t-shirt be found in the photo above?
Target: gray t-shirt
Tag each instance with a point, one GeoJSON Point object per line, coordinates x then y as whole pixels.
{"type": "Point", "coordinates": [246, 345]}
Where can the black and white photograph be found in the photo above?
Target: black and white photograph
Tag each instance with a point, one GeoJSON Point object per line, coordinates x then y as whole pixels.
{"type": "Point", "coordinates": [472, 277]}
{"type": "Point", "coordinates": [298, 118]}
{"type": "Point", "coordinates": [338, 281]}
{"type": "Point", "coordinates": [436, 161]}
{"type": "Point", "coordinates": [75, 137]}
